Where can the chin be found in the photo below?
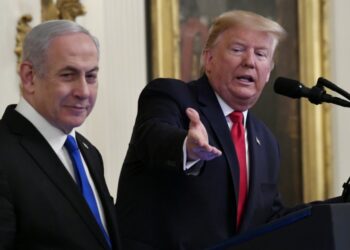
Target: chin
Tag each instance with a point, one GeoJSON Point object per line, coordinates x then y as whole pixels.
{"type": "Point", "coordinates": [73, 124]}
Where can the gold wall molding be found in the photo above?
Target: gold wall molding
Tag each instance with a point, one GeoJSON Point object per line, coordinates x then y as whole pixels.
{"type": "Point", "coordinates": [22, 28]}
{"type": "Point", "coordinates": [61, 9]}
{"type": "Point", "coordinates": [165, 38]}
{"type": "Point", "coordinates": [314, 62]}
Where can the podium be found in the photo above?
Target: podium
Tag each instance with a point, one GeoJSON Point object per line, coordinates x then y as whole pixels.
{"type": "Point", "coordinates": [320, 227]}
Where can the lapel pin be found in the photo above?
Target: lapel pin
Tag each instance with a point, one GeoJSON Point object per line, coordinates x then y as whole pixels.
{"type": "Point", "coordinates": [86, 146]}
{"type": "Point", "coordinates": [258, 141]}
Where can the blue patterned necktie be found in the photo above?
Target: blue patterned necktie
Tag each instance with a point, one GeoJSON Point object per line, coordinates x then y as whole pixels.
{"type": "Point", "coordinates": [83, 183]}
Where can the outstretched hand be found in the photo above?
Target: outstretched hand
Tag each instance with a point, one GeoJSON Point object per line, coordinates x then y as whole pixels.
{"type": "Point", "coordinates": [197, 144]}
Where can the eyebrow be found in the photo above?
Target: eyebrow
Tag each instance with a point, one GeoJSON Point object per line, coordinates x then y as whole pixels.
{"type": "Point", "coordinates": [240, 43]}
{"type": "Point", "coordinates": [94, 69]}
{"type": "Point", "coordinates": [71, 68]}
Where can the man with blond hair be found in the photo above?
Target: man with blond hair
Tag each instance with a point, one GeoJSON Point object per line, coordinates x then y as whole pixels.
{"type": "Point", "coordinates": [194, 175]}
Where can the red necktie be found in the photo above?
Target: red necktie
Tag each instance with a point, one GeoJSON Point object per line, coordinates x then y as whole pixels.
{"type": "Point", "coordinates": [238, 137]}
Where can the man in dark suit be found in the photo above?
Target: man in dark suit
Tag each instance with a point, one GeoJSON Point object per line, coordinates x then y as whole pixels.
{"type": "Point", "coordinates": [181, 183]}
{"type": "Point", "coordinates": [50, 196]}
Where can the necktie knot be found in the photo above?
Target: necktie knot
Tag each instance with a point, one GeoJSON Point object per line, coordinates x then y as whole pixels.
{"type": "Point", "coordinates": [236, 117]}
{"type": "Point", "coordinates": [71, 144]}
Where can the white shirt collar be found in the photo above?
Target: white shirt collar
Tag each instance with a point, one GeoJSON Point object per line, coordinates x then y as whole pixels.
{"type": "Point", "coordinates": [54, 136]}
{"type": "Point", "coordinates": [227, 110]}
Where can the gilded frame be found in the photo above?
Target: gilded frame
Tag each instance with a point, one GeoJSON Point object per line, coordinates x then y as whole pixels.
{"type": "Point", "coordinates": [314, 62]}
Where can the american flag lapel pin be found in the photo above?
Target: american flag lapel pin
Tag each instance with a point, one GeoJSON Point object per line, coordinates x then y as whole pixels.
{"type": "Point", "coordinates": [258, 141]}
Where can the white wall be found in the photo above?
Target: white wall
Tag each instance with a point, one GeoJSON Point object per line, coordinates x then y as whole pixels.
{"type": "Point", "coordinates": [340, 49]}
{"type": "Point", "coordinates": [10, 12]}
{"type": "Point", "coordinates": [119, 25]}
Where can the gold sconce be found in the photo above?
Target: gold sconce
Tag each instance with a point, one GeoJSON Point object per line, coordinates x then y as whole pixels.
{"type": "Point", "coordinates": [23, 28]}
{"type": "Point", "coordinates": [63, 9]}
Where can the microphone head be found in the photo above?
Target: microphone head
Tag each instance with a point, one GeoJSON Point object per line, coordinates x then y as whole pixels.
{"type": "Point", "coordinates": [289, 87]}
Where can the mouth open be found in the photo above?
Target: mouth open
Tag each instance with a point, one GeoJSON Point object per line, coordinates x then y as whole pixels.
{"type": "Point", "coordinates": [246, 78]}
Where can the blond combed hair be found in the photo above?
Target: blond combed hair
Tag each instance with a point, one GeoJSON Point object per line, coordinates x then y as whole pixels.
{"type": "Point", "coordinates": [240, 18]}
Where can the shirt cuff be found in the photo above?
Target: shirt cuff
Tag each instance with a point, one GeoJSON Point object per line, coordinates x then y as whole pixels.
{"type": "Point", "coordinates": [188, 165]}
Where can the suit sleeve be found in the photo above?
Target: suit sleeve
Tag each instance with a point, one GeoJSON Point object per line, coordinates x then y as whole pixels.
{"type": "Point", "coordinates": [161, 125]}
{"type": "Point", "coordinates": [7, 215]}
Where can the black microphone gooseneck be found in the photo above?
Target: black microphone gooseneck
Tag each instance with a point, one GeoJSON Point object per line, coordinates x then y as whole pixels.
{"type": "Point", "coordinates": [326, 83]}
{"type": "Point", "coordinates": [316, 95]}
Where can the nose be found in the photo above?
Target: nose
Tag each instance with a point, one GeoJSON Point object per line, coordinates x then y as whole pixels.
{"type": "Point", "coordinates": [248, 59]}
{"type": "Point", "coordinates": [81, 88]}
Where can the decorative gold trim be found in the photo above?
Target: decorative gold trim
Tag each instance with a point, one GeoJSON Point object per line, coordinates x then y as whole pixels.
{"type": "Point", "coordinates": [23, 28]}
{"type": "Point", "coordinates": [165, 40]}
{"type": "Point", "coordinates": [61, 9]}
{"type": "Point", "coordinates": [49, 10]}
{"type": "Point", "coordinates": [314, 62]}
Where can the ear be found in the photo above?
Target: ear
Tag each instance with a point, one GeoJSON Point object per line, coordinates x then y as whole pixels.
{"type": "Point", "coordinates": [207, 59]}
{"type": "Point", "coordinates": [27, 75]}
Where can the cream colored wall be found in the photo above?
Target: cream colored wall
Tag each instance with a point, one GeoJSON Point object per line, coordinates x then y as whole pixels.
{"type": "Point", "coordinates": [119, 25]}
{"type": "Point", "coordinates": [340, 49]}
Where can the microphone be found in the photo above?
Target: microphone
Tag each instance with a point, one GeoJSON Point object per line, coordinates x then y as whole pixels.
{"type": "Point", "coordinates": [316, 95]}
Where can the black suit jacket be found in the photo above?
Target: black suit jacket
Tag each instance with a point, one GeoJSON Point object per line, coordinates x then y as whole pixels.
{"type": "Point", "coordinates": [160, 206]}
{"type": "Point", "coordinates": [41, 206]}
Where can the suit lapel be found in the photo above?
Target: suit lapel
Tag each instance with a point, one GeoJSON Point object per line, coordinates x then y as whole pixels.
{"type": "Point", "coordinates": [255, 143]}
{"type": "Point", "coordinates": [216, 120]}
{"type": "Point", "coordinates": [42, 153]}
{"type": "Point", "coordinates": [95, 169]}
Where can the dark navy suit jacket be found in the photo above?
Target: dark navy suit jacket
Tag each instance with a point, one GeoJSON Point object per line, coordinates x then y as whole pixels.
{"type": "Point", "coordinates": [162, 207]}
{"type": "Point", "coordinates": [41, 207]}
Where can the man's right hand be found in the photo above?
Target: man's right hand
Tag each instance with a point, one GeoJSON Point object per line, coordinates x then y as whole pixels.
{"type": "Point", "coordinates": [197, 144]}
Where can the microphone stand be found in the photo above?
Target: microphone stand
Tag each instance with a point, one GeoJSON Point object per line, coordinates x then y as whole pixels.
{"type": "Point", "coordinates": [346, 191]}
{"type": "Point", "coordinates": [318, 95]}
{"type": "Point", "coordinates": [321, 83]}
